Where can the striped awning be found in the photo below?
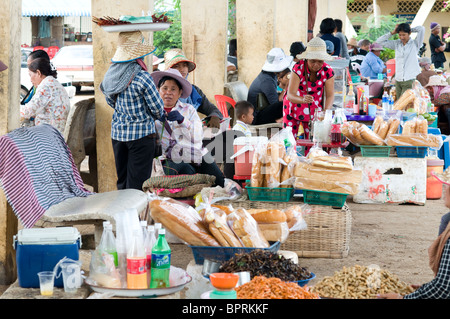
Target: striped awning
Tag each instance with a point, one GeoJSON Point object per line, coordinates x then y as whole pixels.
{"type": "Point", "coordinates": [56, 8]}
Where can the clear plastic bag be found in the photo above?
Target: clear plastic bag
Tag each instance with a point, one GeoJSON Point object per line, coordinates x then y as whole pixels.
{"type": "Point", "coordinates": [102, 271]}
{"type": "Point", "coordinates": [294, 217]}
{"type": "Point", "coordinates": [245, 227]}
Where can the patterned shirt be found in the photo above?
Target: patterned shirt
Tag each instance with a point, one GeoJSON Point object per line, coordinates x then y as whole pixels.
{"type": "Point", "coordinates": [406, 61]}
{"type": "Point", "coordinates": [439, 287]}
{"type": "Point", "coordinates": [136, 109]}
{"type": "Point", "coordinates": [49, 105]}
{"type": "Point", "coordinates": [185, 142]}
{"type": "Point", "coordinates": [241, 126]}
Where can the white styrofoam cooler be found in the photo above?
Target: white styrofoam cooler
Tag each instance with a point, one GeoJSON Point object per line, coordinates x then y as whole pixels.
{"type": "Point", "coordinates": [392, 180]}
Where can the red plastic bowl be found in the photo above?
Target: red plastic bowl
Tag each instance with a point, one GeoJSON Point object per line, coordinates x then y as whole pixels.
{"type": "Point", "coordinates": [223, 280]}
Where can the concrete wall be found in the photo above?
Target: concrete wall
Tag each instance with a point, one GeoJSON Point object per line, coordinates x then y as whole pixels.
{"type": "Point", "coordinates": [105, 45]}
{"type": "Point", "coordinates": [10, 27]}
{"type": "Point", "coordinates": [264, 24]}
{"type": "Point", "coordinates": [204, 33]}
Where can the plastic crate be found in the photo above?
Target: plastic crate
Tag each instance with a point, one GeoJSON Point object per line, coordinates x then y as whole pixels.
{"type": "Point", "coordinates": [267, 194]}
{"type": "Point", "coordinates": [221, 254]}
{"type": "Point", "coordinates": [375, 150]}
{"type": "Point", "coordinates": [412, 151]}
{"type": "Point", "coordinates": [324, 198]}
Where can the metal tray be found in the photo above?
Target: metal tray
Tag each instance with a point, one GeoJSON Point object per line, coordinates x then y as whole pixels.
{"type": "Point", "coordinates": [157, 26]}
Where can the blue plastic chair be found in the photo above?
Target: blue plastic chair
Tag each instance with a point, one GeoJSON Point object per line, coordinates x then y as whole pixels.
{"type": "Point", "coordinates": [444, 152]}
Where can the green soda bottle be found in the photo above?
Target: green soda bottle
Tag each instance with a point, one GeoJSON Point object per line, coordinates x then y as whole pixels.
{"type": "Point", "coordinates": [160, 268]}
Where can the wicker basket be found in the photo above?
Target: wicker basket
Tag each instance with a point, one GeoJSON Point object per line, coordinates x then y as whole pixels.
{"type": "Point", "coordinates": [327, 234]}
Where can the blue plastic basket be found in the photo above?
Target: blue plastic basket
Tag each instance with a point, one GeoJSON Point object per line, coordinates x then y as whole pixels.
{"type": "Point", "coordinates": [412, 151]}
{"type": "Point", "coordinates": [303, 282]}
{"type": "Point", "coordinates": [221, 254]}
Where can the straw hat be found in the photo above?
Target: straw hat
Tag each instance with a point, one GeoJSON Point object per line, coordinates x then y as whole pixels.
{"type": "Point", "coordinates": [174, 74]}
{"type": "Point", "coordinates": [132, 46]}
{"type": "Point", "coordinates": [277, 61]}
{"type": "Point", "coordinates": [157, 60]}
{"type": "Point", "coordinates": [174, 56]}
{"type": "Point", "coordinates": [316, 50]}
{"type": "Point", "coordinates": [436, 80]}
{"type": "Point", "coordinates": [352, 42]}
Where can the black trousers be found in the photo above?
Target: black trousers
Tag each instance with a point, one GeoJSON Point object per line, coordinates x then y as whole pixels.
{"type": "Point", "coordinates": [269, 114]}
{"type": "Point", "coordinates": [134, 161]}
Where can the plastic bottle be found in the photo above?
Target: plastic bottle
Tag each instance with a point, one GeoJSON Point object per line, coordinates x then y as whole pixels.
{"type": "Point", "coordinates": [149, 242]}
{"type": "Point", "coordinates": [391, 103]}
{"type": "Point", "coordinates": [336, 134]}
{"type": "Point", "coordinates": [108, 243]}
{"type": "Point", "coordinates": [143, 224]}
{"type": "Point", "coordinates": [350, 101]}
{"type": "Point", "coordinates": [161, 255]}
{"type": "Point", "coordinates": [385, 101]}
{"type": "Point", "coordinates": [157, 228]}
{"type": "Point", "coordinates": [136, 272]}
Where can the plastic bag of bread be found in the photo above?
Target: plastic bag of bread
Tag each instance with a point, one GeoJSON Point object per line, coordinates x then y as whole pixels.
{"type": "Point", "coordinates": [246, 229]}
{"type": "Point", "coordinates": [405, 100]}
{"type": "Point", "coordinates": [351, 132]}
{"type": "Point", "coordinates": [416, 125]}
{"type": "Point", "coordinates": [103, 272]}
{"type": "Point", "coordinates": [182, 220]}
{"type": "Point", "coordinates": [216, 220]}
{"type": "Point", "coordinates": [415, 139]}
{"type": "Point", "coordinates": [294, 217]}
{"type": "Point", "coordinates": [272, 223]}
{"type": "Point", "coordinates": [370, 137]}
{"type": "Point", "coordinates": [332, 161]}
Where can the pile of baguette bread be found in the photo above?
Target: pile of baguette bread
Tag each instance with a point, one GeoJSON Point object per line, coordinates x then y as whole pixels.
{"type": "Point", "coordinates": [271, 166]}
{"type": "Point", "coordinates": [414, 133]}
{"type": "Point", "coordinates": [360, 134]}
{"type": "Point", "coordinates": [328, 173]}
{"type": "Point", "coordinates": [413, 98]}
{"type": "Point", "coordinates": [224, 226]}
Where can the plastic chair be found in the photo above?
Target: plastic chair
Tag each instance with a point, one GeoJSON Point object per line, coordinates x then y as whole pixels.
{"type": "Point", "coordinates": [52, 51]}
{"type": "Point", "coordinates": [238, 90]}
{"type": "Point", "coordinates": [38, 48]}
{"type": "Point", "coordinates": [222, 101]}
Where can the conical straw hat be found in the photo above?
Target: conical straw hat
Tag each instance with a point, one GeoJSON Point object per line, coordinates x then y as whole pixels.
{"type": "Point", "coordinates": [132, 46]}
{"type": "Point", "coordinates": [174, 56]}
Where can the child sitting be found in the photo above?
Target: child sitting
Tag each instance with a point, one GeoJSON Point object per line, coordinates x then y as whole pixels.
{"type": "Point", "coordinates": [244, 115]}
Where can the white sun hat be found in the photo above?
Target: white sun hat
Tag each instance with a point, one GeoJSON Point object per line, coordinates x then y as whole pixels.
{"type": "Point", "coordinates": [132, 46]}
{"type": "Point", "coordinates": [277, 61]}
{"type": "Point", "coordinates": [315, 50]}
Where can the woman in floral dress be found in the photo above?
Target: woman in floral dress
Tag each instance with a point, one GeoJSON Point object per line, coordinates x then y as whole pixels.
{"type": "Point", "coordinates": [50, 104]}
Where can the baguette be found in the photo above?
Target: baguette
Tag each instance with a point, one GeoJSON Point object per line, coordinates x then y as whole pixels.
{"type": "Point", "coordinates": [409, 128]}
{"type": "Point", "coordinates": [183, 221]}
{"type": "Point", "coordinates": [370, 136]}
{"type": "Point", "coordinates": [246, 229]}
{"type": "Point", "coordinates": [393, 126]}
{"type": "Point", "coordinates": [403, 101]}
{"type": "Point", "coordinates": [376, 123]}
{"type": "Point", "coordinates": [422, 126]}
{"type": "Point", "coordinates": [383, 130]}
{"type": "Point", "coordinates": [333, 162]}
{"type": "Point", "coordinates": [268, 216]}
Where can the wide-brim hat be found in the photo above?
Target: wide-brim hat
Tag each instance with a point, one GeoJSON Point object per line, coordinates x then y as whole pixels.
{"type": "Point", "coordinates": [174, 56]}
{"type": "Point", "coordinates": [436, 80]}
{"type": "Point", "coordinates": [277, 61]}
{"type": "Point", "coordinates": [315, 50]}
{"type": "Point", "coordinates": [3, 66]}
{"type": "Point", "coordinates": [352, 42]}
{"type": "Point", "coordinates": [175, 74]}
{"type": "Point", "coordinates": [132, 46]}
{"type": "Point", "coordinates": [376, 47]}
{"type": "Point", "coordinates": [157, 60]}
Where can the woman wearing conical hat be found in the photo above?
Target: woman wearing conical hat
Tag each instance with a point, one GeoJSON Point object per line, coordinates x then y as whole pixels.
{"type": "Point", "coordinates": [129, 89]}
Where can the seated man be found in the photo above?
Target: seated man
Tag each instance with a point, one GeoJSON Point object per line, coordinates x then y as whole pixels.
{"type": "Point", "coordinates": [372, 65]}
{"type": "Point", "coordinates": [181, 129]}
{"type": "Point", "coordinates": [266, 84]}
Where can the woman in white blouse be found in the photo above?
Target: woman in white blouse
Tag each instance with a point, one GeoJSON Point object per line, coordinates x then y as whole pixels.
{"type": "Point", "coordinates": [181, 129]}
{"type": "Point", "coordinates": [50, 104]}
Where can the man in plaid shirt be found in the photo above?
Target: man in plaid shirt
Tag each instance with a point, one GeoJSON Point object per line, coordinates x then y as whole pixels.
{"type": "Point", "coordinates": [130, 91]}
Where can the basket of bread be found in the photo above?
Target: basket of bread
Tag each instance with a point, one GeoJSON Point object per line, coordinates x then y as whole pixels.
{"type": "Point", "coordinates": [272, 169]}
{"type": "Point", "coordinates": [218, 232]}
{"type": "Point", "coordinates": [416, 98]}
{"type": "Point", "coordinates": [326, 179]}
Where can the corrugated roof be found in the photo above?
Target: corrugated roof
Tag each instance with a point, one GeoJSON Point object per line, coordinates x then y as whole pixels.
{"type": "Point", "coordinates": [57, 8]}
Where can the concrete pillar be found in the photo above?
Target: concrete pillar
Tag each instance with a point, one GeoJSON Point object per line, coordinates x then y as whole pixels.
{"type": "Point", "coordinates": [264, 24]}
{"type": "Point", "coordinates": [336, 9]}
{"type": "Point", "coordinates": [105, 45]}
{"type": "Point", "coordinates": [204, 34]}
{"type": "Point", "coordinates": [10, 31]}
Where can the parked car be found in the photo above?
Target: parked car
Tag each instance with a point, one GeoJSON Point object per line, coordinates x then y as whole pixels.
{"type": "Point", "coordinates": [25, 82]}
{"type": "Point", "coordinates": [77, 63]}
